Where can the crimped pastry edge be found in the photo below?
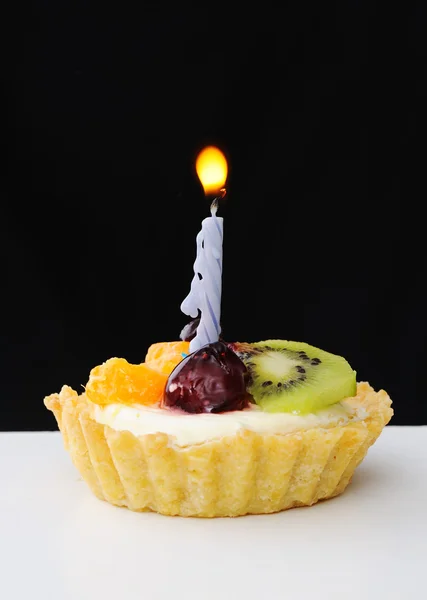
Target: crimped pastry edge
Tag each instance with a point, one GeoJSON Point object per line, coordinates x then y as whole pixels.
{"type": "Point", "coordinates": [247, 473]}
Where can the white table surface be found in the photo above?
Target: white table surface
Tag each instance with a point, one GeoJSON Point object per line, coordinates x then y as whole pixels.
{"type": "Point", "coordinates": [57, 541]}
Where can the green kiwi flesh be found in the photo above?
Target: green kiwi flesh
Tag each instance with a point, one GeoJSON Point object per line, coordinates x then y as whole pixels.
{"type": "Point", "coordinates": [295, 377]}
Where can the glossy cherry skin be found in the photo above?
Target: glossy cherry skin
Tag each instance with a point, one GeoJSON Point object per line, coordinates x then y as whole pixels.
{"type": "Point", "coordinates": [210, 380]}
{"type": "Point", "coordinates": [189, 331]}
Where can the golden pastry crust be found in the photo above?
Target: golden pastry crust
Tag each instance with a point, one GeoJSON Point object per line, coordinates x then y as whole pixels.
{"type": "Point", "coordinates": [247, 473]}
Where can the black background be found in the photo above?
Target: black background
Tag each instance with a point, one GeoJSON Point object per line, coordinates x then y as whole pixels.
{"type": "Point", "coordinates": [320, 112]}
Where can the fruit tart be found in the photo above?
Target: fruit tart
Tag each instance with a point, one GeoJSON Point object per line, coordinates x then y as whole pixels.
{"type": "Point", "coordinates": [227, 430]}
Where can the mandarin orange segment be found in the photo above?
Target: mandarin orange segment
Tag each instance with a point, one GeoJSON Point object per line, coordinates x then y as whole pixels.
{"type": "Point", "coordinates": [164, 356]}
{"type": "Point", "coordinates": [116, 380]}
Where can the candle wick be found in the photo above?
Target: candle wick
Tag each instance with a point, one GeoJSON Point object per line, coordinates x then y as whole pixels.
{"type": "Point", "coordinates": [214, 206]}
{"type": "Point", "coordinates": [215, 201]}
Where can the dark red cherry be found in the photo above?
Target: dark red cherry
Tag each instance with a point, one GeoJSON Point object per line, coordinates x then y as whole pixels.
{"type": "Point", "coordinates": [210, 380]}
{"type": "Point", "coordinates": [189, 331]}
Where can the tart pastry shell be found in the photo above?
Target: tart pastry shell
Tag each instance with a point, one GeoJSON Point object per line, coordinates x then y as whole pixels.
{"type": "Point", "coordinates": [246, 473]}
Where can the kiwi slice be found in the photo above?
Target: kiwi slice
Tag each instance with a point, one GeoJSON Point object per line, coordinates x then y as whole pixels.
{"type": "Point", "coordinates": [294, 376]}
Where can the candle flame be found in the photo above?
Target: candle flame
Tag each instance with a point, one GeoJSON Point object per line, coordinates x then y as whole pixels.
{"type": "Point", "coordinates": [212, 169]}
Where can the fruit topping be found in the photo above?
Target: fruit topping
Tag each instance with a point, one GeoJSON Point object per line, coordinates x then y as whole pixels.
{"type": "Point", "coordinates": [210, 380]}
{"type": "Point", "coordinates": [116, 380]}
{"type": "Point", "coordinates": [294, 376]}
{"type": "Point", "coordinates": [190, 330]}
{"type": "Point", "coordinates": [164, 356]}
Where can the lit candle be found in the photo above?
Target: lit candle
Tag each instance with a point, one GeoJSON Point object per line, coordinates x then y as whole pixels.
{"type": "Point", "coordinates": [206, 286]}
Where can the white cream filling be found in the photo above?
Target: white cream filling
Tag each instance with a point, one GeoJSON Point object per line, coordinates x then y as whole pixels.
{"type": "Point", "coordinates": [189, 429]}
